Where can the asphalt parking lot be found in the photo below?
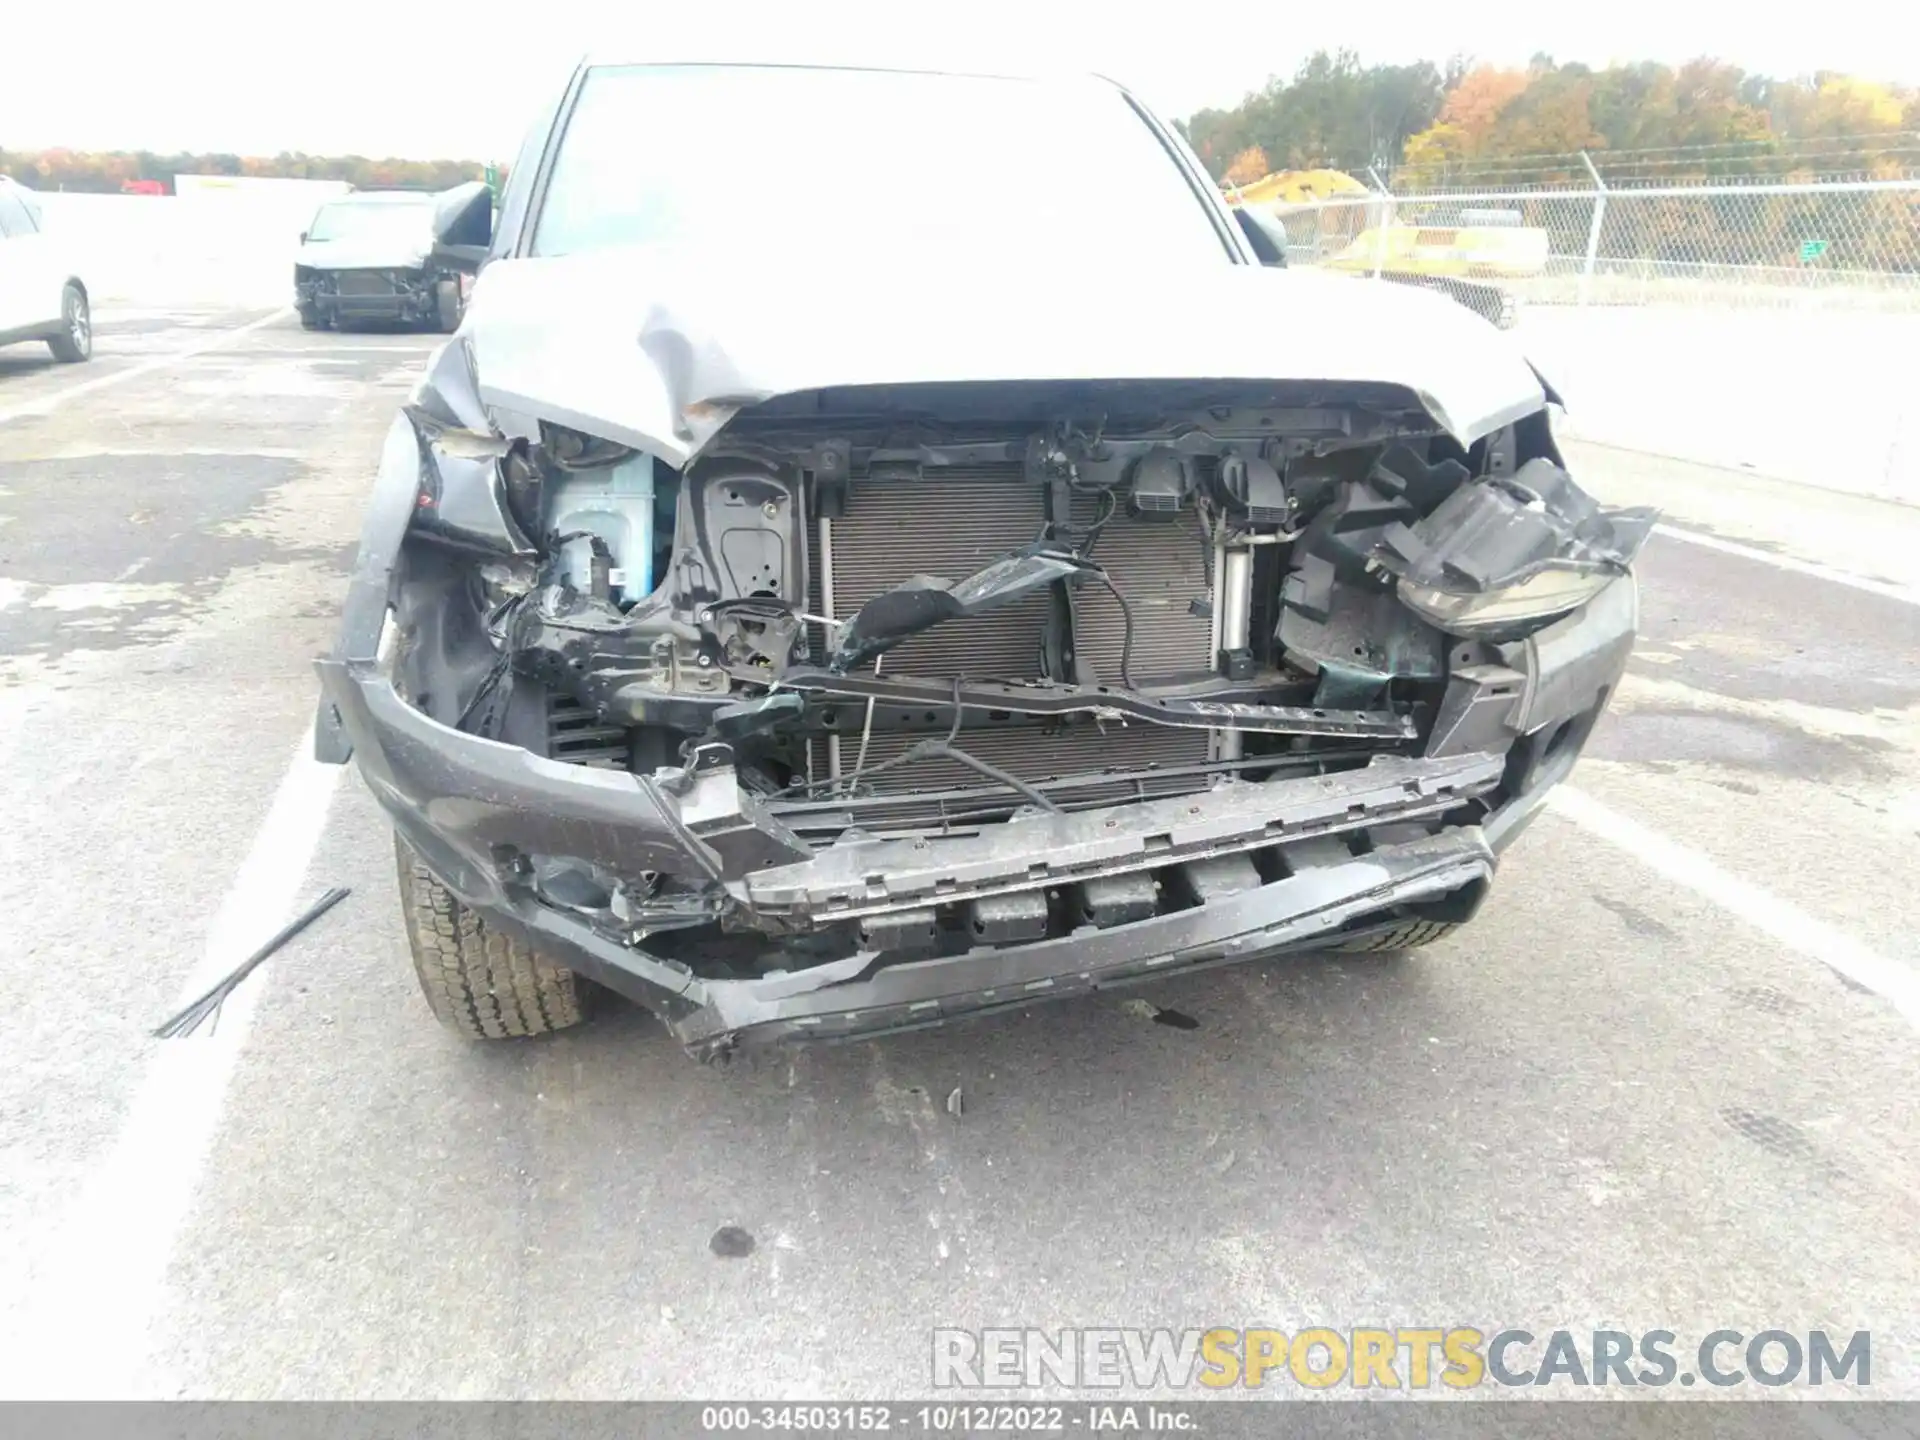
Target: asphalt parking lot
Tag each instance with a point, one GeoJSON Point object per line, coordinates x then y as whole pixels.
{"type": "Point", "coordinates": [1669, 1080]}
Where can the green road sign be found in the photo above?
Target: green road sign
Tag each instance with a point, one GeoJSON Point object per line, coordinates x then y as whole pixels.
{"type": "Point", "coordinates": [1812, 250]}
{"type": "Point", "coordinates": [493, 183]}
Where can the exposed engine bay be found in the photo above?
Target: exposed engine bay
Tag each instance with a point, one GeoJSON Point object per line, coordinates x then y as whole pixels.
{"type": "Point", "coordinates": [869, 637]}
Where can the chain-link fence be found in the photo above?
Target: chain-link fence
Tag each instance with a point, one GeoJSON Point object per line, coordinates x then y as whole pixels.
{"type": "Point", "coordinates": [1769, 327]}
{"type": "Point", "coordinates": [1839, 244]}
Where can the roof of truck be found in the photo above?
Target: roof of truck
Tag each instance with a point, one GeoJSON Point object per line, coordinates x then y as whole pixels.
{"type": "Point", "coordinates": [906, 64]}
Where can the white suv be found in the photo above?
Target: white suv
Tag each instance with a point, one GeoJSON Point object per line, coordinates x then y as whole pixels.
{"type": "Point", "coordinates": [40, 296]}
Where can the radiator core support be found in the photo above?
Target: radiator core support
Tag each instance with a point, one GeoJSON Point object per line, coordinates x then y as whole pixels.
{"type": "Point", "coordinates": [1233, 603]}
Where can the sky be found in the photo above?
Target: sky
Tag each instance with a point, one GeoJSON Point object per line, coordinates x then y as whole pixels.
{"type": "Point", "coordinates": [462, 80]}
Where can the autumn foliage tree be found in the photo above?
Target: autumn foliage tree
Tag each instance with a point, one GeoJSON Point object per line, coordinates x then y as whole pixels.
{"type": "Point", "coordinates": [1333, 106]}
{"type": "Point", "coordinates": [1476, 102]}
{"type": "Point", "coordinates": [1248, 166]}
{"type": "Point", "coordinates": [61, 169]}
{"type": "Point", "coordinates": [1647, 121]}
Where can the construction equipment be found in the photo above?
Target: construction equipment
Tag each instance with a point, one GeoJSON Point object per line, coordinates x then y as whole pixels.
{"type": "Point", "coordinates": [1460, 251]}
{"type": "Point", "coordinates": [1298, 187]}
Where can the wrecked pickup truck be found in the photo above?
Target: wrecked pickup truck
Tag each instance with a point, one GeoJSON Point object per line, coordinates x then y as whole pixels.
{"type": "Point", "coordinates": [369, 256]}
{"type": "Point", "coordinates": [914, 617]}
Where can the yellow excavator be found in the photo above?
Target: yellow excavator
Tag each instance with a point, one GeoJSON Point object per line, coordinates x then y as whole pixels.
{"type": "Point", "coordinates": [1297, 187]}
{"type": "Point", "coordinates": [1461, 251]}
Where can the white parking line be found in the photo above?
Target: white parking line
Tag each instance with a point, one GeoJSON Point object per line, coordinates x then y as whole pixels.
{"type": "Point", "coordinates": [1784, 923]}
{"type": "Point", "coordinates": [41, 404]}
{"type": "Point", "coordinates": [1886, 589]}
{"type": "Point", "coordinates": [99, 1284]}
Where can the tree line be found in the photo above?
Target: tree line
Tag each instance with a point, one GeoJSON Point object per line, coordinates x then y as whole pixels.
{"type": "Point", "coordinates": [1424, 130]}
{"type": "Point", "coordinates": [123, 170]}
{"type": "Point", "coordinates": [1423, 124]}
{"type": "Point", "coordinates": [1426, 125]}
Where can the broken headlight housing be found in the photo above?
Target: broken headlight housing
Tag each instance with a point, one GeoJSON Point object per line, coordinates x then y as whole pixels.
{"type": "Point", "coordinates": [1502, 555]}
{"type": "Point", "coordinates": [1499, 613]}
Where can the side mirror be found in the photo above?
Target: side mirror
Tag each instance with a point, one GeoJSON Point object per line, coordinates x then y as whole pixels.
{"type": "Point", "coordinates": [1266, 236]}
{"type": "Point", "coordinates": [303, 237]}
{"type": "Point", "coordinates": [463, 226]}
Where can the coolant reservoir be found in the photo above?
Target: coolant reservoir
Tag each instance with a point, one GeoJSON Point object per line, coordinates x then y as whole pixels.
{"type": "Point", "coordinates": [617, 505]}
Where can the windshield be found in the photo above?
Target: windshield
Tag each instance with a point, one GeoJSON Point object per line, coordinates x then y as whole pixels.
{"type": "Point", "coordinates": [667, 154]}
{"type": "Point", "coordinates": [400, 220]}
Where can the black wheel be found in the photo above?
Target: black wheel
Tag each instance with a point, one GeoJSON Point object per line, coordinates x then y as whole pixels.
{"type": "Point", "coordinates": [1410, 936]}
{"type": "Point", "coordinates": [483, 984]}
{"type": "Point", "coordinates": [310, 319]}
{"type": "Point", "coordinates": [446, 306]}
{"type": "Point", "coordinates": [74, 343]}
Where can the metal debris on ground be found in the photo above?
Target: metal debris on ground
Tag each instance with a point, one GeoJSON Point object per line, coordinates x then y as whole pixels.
{"type": "Point", "coordinates": [190, 1019]}
{"type": "Point", "coordinates": [1160, 1015]}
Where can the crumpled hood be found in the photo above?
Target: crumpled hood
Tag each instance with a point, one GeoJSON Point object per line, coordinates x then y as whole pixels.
{"type": "Point", "coordinates": [660, 349]}
{"type": "Point", "coordinates": [365, 254]}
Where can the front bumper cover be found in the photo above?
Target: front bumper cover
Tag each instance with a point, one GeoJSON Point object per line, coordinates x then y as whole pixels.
{"type": "Point", "coordinates": [411, 296]}
{"type": "Point", "coordinates": [456, 797]}
{"type": "Point", "coordinates": [469, 805]}
{"type": "Point", "coordinates": [859, 996]}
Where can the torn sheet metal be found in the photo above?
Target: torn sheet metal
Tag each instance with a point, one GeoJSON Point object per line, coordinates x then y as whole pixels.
{"type": "Point", "coordinates": [463, 495]}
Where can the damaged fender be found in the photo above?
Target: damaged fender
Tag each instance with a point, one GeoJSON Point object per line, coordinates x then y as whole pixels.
{"type": "Point", "coordinates": [440, 472]}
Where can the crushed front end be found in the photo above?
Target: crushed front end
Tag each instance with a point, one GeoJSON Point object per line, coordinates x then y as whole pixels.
{"type": "Point", "coordinates": [905, 702]}
{"type": "Point", "coordinates": [402, 294]}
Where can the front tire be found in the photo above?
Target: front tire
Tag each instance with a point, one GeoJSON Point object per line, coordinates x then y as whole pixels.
{"type": "Point", "coordinates": [447, 308]}
{"type": "Point", "coordinates": [74, 343]}
{"type": "Point", "coordinates": [479, 982]}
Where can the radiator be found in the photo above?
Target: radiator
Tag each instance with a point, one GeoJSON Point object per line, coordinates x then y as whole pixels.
{"type": "Point", "coordinates": [1161, 567]}
{"type": "Point", "coordinates": [963, 520]}
{"type": "Point", "coordinates": [959, 523]}
{"type": "Point", "coordinates": [951, 527]}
